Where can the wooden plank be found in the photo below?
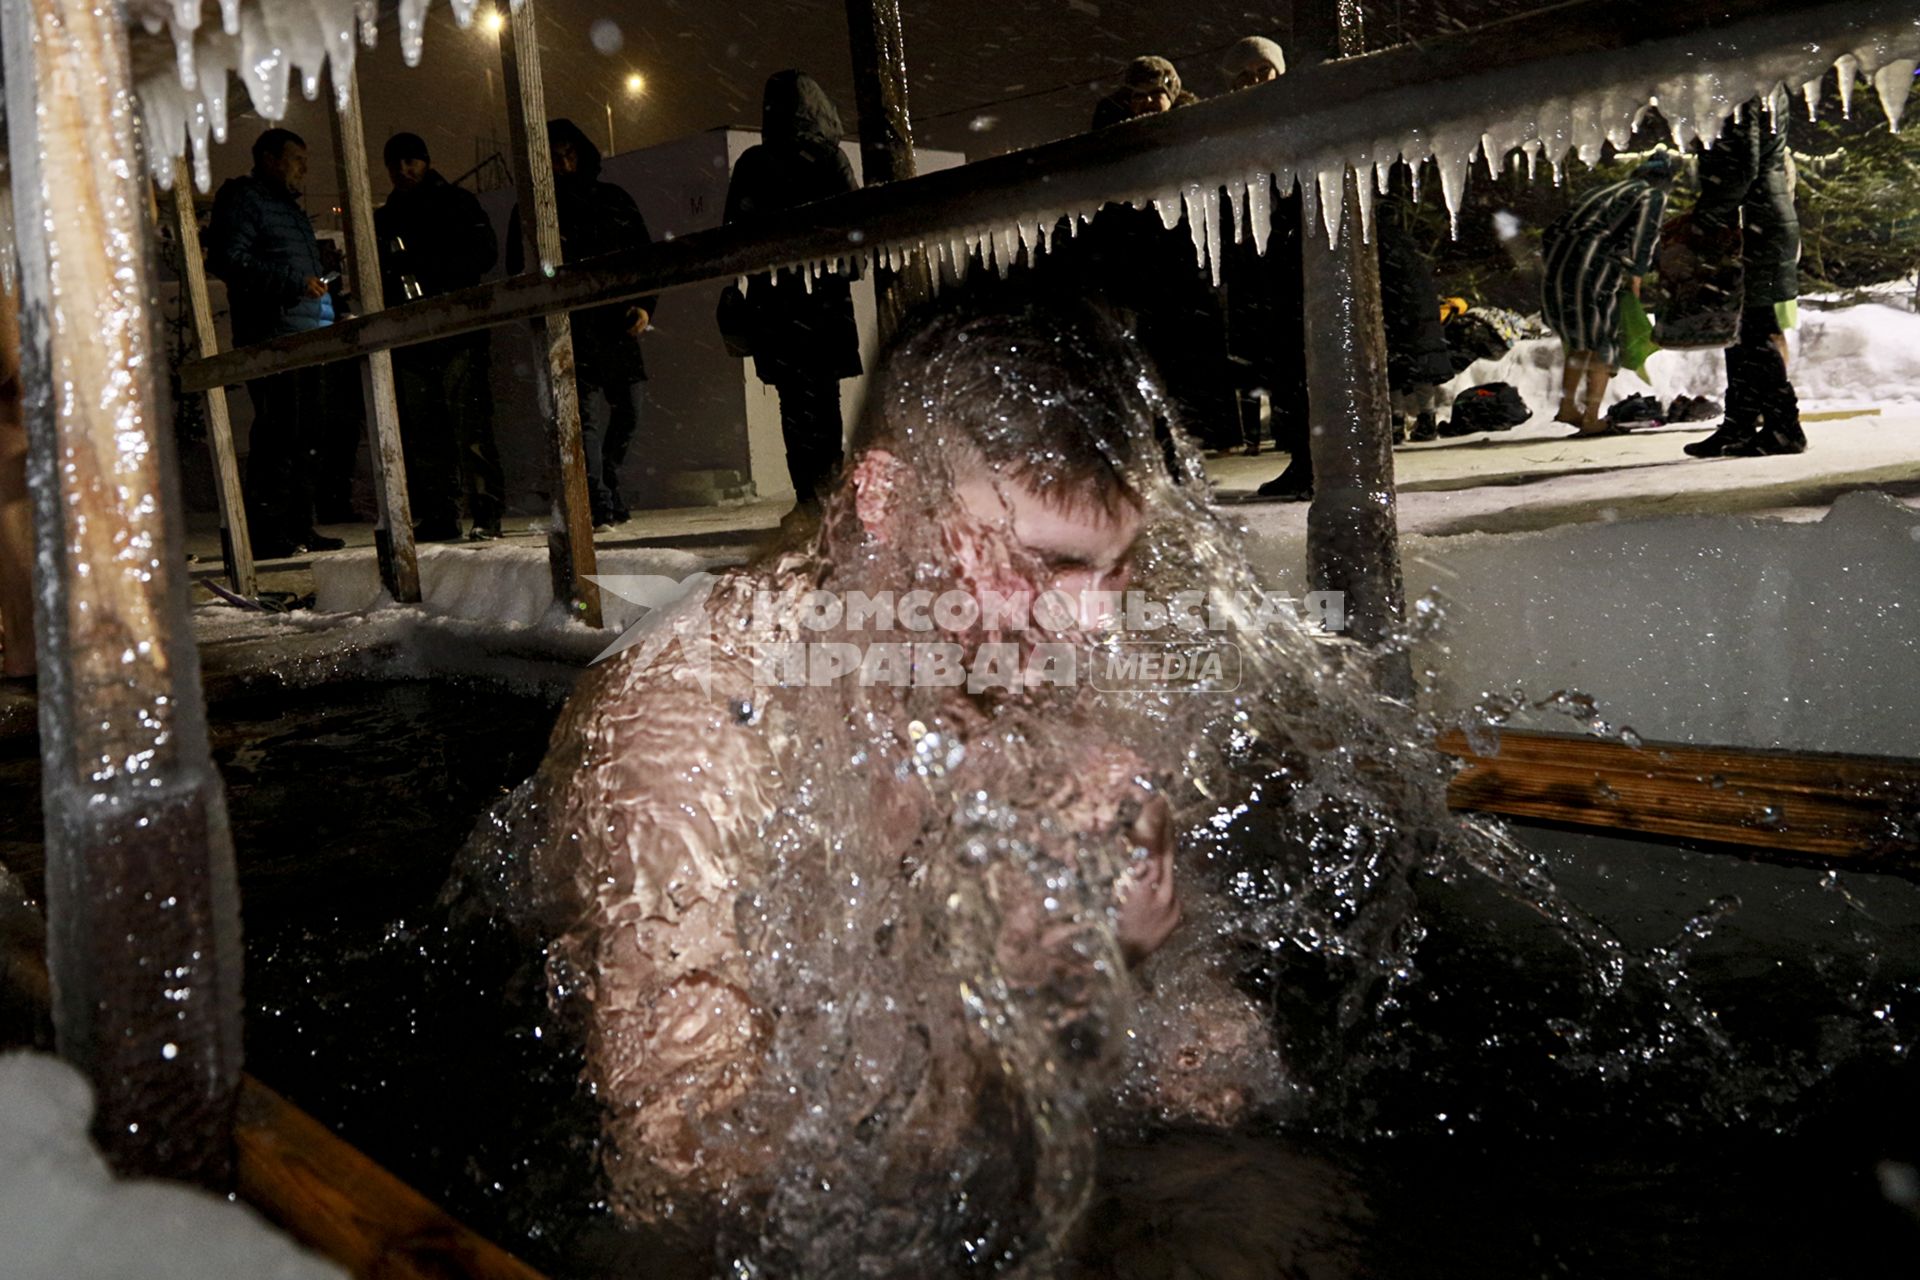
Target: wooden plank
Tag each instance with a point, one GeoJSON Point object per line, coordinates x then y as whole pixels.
{"type": "Point", "coordinates": [1353, 537]}
{"type": "Point", "coordinates": [140, 877]}
{"type": "Point", "coordinates": [336, 1201]}
{"type": "Point", "coordinates": [1326, 110]}
{"type": "Point", "coordinates": [399, 561]}
{"type": "Point", "coordinates": [878, 45]}
{"type": "Point", "coordinates": [1862, 812]}
{"type": "Point", "coordinates": [570, 555]}
{"type": "Point", "coordinates": [236, 540]}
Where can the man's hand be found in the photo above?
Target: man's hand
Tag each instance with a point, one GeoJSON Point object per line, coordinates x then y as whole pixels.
{"type": "Point", "coordinates": [637, 321]}
{"type": "Point", "coordinates": [316, 287]}
{"type": "Point", "coordinates": [1148, 910]}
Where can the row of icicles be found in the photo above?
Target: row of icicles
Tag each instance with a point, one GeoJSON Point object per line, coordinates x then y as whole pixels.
{"type": "Point", "coordinates": [266, 41]}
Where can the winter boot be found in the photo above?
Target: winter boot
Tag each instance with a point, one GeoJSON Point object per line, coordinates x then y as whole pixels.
{"type": "Point", "coordinates": [1722, 441]}
{"type": "Point", "coordinates": [1295, 484]}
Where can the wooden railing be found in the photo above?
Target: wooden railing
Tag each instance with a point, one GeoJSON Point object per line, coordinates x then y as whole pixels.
{"type": "Point", "coordinates": [1859, 812]}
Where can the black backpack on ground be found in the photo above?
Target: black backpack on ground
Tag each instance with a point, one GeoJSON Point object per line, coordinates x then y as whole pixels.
{"type": "Point", "coordinates": [1492, 406]}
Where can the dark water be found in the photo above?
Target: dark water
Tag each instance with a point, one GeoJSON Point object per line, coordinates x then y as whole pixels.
{"type": "Point", "coordinates": [1493, 1119]}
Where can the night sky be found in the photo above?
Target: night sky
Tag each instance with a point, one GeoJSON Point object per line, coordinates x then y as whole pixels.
{"type": "Point", "coordinates": [984, 76]}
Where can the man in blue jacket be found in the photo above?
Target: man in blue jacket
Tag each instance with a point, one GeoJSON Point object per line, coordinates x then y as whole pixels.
{"type": "Point", "coordinates": [262, 245]}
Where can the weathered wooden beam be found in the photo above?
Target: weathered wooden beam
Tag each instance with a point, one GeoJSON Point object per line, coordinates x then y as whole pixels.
{"type": "Point", "coordinates": [336, 1201]}
{"type": "Point", "coordinates": [1353, 538]}
{"type": "Point", "coordinates": [393, 538]}
{"type": "Point", "coordinates": [236, 540]}
{"type": "Point", "coordinates": [1859, 812]}
{"type": "Point", "coordinates": [878, 45]}
{"type": "Point", "coordinates": [1353, 532]}
{"type": "Point", "coordinates": [142, 910]}
{"type": "Point", "coordinates": [570, 553]}
{"type": "Point", "coordinates": [1590, 44]}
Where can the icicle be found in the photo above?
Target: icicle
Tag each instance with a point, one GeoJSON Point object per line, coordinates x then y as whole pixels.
{"type": "Point", "coordinates": [740, 283]}
{"type": "Point", "coordinates": [1776, 104]}
{"type": "Point", "coordinates": [1363, 190]}
{"type": "Point", "coordinates": [1026, 242]}
{"type": "Point", "coordinates": [1453, 186]}
{"type": "Point", "coordinates": [1259, 210]}
{"type": "Point", "coordinates": [1210, 216]}
{"type": "Point", "coordinates": [463, 12]}
{"type": "Point", "coordinates": [1004, 251]}
{"type": "Point", "coordinates": [1847, 67]}
{"type": "Point", "coordinates": [186, 21]}
{"type": "Point", "coordinates": [263, 65]}
{"type": "Point", "coordinates": [1533, 150]}
{"type": "Point", "coordinates": [1196, 228]}
{"type": "Point", "coordinates": [806, 279]}
{"type": "Point", "coordinates": [338, 29]}
{"type": "Point", "coordinates": [1894, 82]}
{"type": "Point", "coordinates": [1309, 205]}
{"type": "Point", "coordinates": [1237, 200]}
{"type": "Point", "coordinates": [1811, 92]}
{"type": "Point", "coordinates": [1333, 201]}
{"type": "Point", "coordinates": [413, 14]}
{"type": "Point", "coordinates": [367, 13]}
{"type": "Point", "coordinates": [1167, 205]}
{"type": "Point", "coordinates": [230, 17]}
{"type": "Point", "coordinates": [1046, 234]}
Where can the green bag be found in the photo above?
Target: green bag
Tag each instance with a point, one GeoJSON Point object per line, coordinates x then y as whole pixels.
{"type": "Point", "coordinates": [1636, 337]}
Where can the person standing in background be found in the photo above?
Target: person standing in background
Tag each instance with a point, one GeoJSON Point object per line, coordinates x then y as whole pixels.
{"type": "Point", "coordinates": [598, 218]}
{"type": "Point", "coordinates": [262, 245]}
{"type": "Point", "coordinates": [1744, 178]}
{"type": "Point", "coordinates": [435, 238]}
{"type": "Point", "coordinates": [802, 335]}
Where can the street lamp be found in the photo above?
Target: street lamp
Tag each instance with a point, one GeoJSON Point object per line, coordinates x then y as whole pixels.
{"type": "Point", "coordinates": [636, 85]}
{"type": "Point", "coordinates": [493, 22]}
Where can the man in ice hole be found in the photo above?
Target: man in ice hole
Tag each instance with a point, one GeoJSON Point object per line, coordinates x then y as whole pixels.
{"type": "Point", "coordinates": [1007, 449]}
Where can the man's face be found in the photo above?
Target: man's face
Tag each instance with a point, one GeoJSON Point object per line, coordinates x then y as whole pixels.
{"type": "Point", "coordinates": [289, 169]}
{"type": "Point", "coordinates": [1258, 74]}
{"type": "Point", "coordinates": [1006, 540]}
{"type": "Point", "coordinates": [410, 172]}
{"type": "Point", "coordinates": [1148, 102]}
{"type": "Point", "coordinates": [566, 160]}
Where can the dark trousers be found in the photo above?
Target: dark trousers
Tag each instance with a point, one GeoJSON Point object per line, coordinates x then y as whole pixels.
{"type": "Point", "coordinates": [612, 403]}
{"type": "Point", "coordinates": [446, 426]}
{"type": "Point", "coordinates": [280, 456]}
{"type": "Point", "coordinates": [338, 431]}
{"type": "Point", "coordinates": [810, 425]}
{"type": "Point", "coordinates": [1757, 385]}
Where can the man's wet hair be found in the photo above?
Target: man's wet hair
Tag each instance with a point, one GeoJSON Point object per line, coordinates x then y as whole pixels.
{"type": "Point", "coordinates": [270, 144]}
{"type": "Point", "coordinates": [1044, 390]}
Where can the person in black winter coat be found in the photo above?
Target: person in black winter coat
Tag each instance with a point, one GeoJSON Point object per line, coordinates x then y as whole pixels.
{"type": "Point", "coordinates": [1744, 179]}
{"type": "Point", "coordinates": [802, 337]}
{"type": "Point", "coordinates": [435, 238]}
{"type": "Point", "coordinates": [598, 218]}
{"type": "Point", "coordinates": [261, 243]}
{"type": "Point", "coordinates": [1128, 258]}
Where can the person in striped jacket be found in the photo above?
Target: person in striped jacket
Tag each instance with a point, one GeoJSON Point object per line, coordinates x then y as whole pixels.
{"type": "Point", "coordinates": [1600, 246]}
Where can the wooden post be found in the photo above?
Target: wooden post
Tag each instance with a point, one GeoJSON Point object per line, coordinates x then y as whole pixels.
{"type": "Point", "coordinates": [236, 542]}
{"type": "Point", "coordinates": [399, 561]}
{"type": "Point", "coordinates": [570, 529]}
{"type": "Point", "coordinates": [142, 909]}
{"type": "Point", "coordinates": [886, 139]}
{"type": "Point", "coordinates": [1353, 536]}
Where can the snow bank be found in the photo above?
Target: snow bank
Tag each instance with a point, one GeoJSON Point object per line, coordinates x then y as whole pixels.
{"type": "Point", "coordinates": [1854, 355]}
{"type": "Point", "coordinates": [1738, 631]}
{"type": "Point", "coordinates": [64, 1215]}
{"type": "Point", "coordinates": [496, 582]}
